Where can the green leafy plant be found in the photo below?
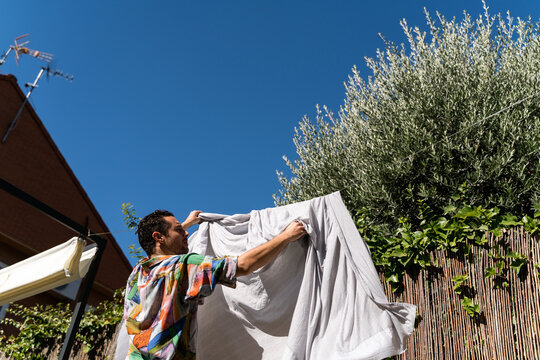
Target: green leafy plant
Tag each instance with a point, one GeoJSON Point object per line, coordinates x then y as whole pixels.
{"type": "Point", "coordinates": [530, 223]}
{"type": "Point", "coordinates": [517, 262]}
{"type": "Point", "coordinates": [470, 307]}
{"type": "Point", "coordinates": [130, 216]}
{"type": "Point", "coordinates": [499, 272]}
{"type": "Point", "coordinates": [132, 221]}
{"type": "Point", "coordinates": [136, 252]}
{"type": "Point", "coordinates": [459, 228]}
{"type": "Point", "coordinates": [458, 282]}
{"type": "Point", "coordinates": [43, 327]}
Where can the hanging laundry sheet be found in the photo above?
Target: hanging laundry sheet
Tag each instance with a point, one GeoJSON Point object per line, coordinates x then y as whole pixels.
{"type": "Point", "coordinates": [321, 298]}
{"type": "Point", "coordinates": [55, 267]}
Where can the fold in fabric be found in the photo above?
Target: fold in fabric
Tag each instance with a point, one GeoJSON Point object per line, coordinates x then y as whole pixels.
{"type": "Point", "coordinates": [321, 298]}
{"type": "Point", "coordinates": [55, 267]}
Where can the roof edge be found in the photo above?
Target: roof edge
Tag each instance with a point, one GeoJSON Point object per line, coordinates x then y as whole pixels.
{"type": "Point", "coordinates": [13, 80]}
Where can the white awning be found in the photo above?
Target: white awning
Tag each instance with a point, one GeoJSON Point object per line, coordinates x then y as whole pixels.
{"type": "Point", "coordinates": [57, 266]}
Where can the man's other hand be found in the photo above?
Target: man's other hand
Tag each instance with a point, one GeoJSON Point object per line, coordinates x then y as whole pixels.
{"type": "Point", "coordinates": [192, 219]}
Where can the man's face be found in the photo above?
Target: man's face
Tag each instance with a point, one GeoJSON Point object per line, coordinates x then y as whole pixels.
{"type": "Point", "coordinates": [175, 241]}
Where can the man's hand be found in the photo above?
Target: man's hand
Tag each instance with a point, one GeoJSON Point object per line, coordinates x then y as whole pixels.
{"type": "Point", "coordinates": [192, 219]}
{"type": "Point", "coordinates": [261, 255]}
{"type": "Point", "coordinates": [294, 231]}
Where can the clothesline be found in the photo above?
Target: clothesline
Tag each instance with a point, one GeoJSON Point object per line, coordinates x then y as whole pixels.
{"type": "Point", "coordinates": [113, 232]}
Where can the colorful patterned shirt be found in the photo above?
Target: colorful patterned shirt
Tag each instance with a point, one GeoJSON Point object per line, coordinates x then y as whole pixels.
{"type": "Point", "coordinates": [161, 301]}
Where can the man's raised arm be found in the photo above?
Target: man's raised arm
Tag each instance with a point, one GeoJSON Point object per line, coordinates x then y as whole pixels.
{"type": "Point", "coordinates": [257, 257]}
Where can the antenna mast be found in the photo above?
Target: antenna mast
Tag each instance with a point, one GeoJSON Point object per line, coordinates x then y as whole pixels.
{"type": "Point", "coordinates": [20, 49]}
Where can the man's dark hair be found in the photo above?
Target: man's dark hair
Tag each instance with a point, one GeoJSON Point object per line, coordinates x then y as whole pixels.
{"type": "Point", "coordinates": [152, 222]}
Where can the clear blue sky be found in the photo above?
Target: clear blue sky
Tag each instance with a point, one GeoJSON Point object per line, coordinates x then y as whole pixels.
{"type": "Point", "coordinates": [191, 104]}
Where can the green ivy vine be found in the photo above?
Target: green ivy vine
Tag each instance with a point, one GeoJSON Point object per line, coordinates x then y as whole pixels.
{"type": "Point", "coordinates": [43, 327]}
{"type": "Point", "coordinates": [459, 228]}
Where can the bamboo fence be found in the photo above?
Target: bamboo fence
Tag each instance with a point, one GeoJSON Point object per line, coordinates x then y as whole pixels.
{"type": "Point", "coordinates": [509, 324]}
{"type": "Point", "coordinates": [507, 328]}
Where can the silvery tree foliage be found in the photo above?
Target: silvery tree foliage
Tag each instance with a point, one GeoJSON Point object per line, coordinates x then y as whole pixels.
{"type": "Point", "coordinates": [459, 104]}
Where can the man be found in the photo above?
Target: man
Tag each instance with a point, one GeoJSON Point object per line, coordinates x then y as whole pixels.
{"type": "Point", "coordinates": [164, 289]}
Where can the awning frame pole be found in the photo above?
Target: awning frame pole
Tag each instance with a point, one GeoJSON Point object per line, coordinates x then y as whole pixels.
{"type": "Point", "coordinates": [82, 298]}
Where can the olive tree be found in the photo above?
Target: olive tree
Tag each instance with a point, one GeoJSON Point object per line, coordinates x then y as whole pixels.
{"type": "Point", "coordinates": [458, 104]}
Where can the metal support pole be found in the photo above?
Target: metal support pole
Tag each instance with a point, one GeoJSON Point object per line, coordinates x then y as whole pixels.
{"type": "Point", "coordinates": [45, 209]}
{"type": "Point", "coordinates": [81, 302]}
{"type": "Point", "coordinates": [90, 276]}
{"type": "Point", "coordinates": [4, 57]}
{"type": "Point", "coordinates": [32, 87]}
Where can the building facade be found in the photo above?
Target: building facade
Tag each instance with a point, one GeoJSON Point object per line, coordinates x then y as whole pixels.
{"type": "Point", "coordinates": [30, 160]}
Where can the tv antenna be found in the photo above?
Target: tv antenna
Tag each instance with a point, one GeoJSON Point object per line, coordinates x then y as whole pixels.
{"type": "Point", "coordinates": [21, 49]}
